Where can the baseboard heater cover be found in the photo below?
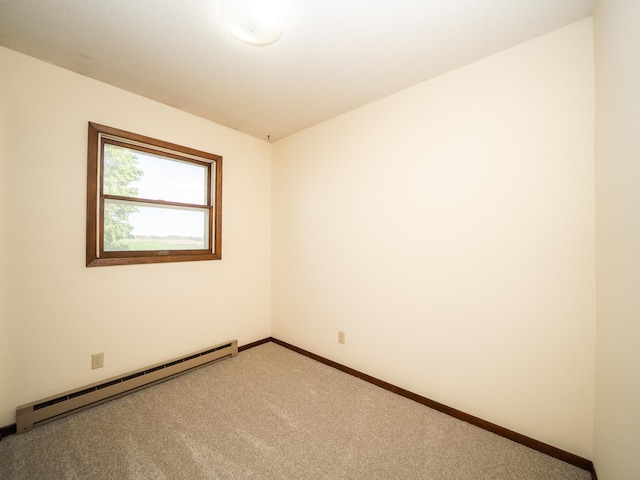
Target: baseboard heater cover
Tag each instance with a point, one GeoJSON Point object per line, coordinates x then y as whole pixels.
{"type": "Point", "coordinates": [61, 405]}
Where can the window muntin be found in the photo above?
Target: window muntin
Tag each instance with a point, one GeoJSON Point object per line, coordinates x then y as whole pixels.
{"type": "Point", "coordinates": [150, 201]}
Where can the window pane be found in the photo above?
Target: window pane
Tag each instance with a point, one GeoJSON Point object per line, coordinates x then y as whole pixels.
{"type": "Point", "coordinates": [133, 173]}
{"type": "Point", "coordinates": [154, 227]}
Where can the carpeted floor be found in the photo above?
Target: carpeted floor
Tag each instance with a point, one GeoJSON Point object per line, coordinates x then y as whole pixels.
{"type": "Point", "coordinates": [269, 413]}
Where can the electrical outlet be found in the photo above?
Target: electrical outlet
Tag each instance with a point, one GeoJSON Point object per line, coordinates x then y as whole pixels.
{"type": "Point", "coordinates": [341, 337]}
{"type": "Point", "coordinates": [97, 360]}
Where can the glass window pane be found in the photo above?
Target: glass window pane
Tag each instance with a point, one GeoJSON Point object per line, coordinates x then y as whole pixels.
{"type": "Point", "coordinates": [133, 173]}
{"type": "Point", "coordinates": [130, 226]}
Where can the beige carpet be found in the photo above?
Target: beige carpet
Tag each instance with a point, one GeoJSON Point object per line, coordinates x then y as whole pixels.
{"type": "Point", "coordinates": [269, 413]}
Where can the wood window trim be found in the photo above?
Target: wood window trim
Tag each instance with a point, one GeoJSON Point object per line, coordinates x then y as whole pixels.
{"type": "Point", "coordinates": [95, 254]}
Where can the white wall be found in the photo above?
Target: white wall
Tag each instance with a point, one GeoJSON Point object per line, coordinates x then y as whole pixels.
{"type": "Point", "coordinates": [4, 245]}
{"type": "Point", "coordinates": [58, 312]}
{"type": "Point", "coordinates": [617, 418]}
{"type": "Point", "coordinates": [449, 231]}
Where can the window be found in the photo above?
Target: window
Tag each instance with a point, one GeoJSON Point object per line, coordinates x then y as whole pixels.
{"type": "Point", "coordinates": [150, 201]}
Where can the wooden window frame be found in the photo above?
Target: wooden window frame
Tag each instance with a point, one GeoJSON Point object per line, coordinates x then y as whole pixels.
{"type": "Point", "coordinates": [95, 254]}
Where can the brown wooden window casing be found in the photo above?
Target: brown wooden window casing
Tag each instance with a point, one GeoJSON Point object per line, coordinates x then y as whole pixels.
{"type": "Point", "coordinates": [150, 201]}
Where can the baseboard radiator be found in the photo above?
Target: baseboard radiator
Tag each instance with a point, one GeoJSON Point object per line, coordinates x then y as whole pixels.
{"type": "Point", "coordinates": [61, 405]}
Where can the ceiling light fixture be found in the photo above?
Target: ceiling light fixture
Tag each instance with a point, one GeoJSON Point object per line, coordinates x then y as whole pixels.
{"type": "Point", "coordinates": [256, 22]}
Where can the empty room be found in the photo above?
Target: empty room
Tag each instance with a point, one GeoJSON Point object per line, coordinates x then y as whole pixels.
{"type": "Point", "coordinates": [339, 240]}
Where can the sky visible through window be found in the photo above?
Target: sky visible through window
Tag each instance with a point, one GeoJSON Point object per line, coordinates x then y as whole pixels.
{"type": "Point", "coordinates": [170, 180]}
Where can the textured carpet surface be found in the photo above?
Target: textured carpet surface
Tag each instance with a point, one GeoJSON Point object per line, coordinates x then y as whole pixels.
{"type": "Point", "coordinates": [269, 413]}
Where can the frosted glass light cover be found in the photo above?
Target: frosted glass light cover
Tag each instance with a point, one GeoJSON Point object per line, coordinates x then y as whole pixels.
{"type": "Point", "coordinates": [256, 22]}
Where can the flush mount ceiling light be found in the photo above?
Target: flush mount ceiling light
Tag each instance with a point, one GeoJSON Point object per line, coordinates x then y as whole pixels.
{"type": "Point", "coordinates": [256, 22]}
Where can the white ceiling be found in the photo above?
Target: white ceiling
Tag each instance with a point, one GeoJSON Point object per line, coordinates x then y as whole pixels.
{"type": "Point", "coordinates": [333, 56]}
